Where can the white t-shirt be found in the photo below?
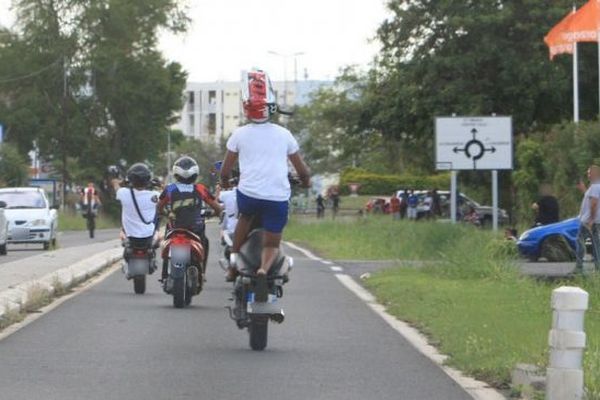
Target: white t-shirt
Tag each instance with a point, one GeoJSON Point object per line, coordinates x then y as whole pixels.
{"type": "Point", "coordinates": [229, 200]}
{"type": "Point", "coordinates": [586, 208]}
{"type": "Point", "coordinates": [130, 219]}
{"type": "Point", "coordinates": [263, 151]}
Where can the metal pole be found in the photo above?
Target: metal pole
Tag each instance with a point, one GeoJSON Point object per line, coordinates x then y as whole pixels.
{"type": "Point", "coordinates": [495, 200]}
{"type": "Point", "coordinates": [575, 84]}
{"type": "Point", "coordinates": [285, 85]}
{"type": "Point", "coordinates": [168, 156]}
{"type": "Point", "coordinates": [453, 196]}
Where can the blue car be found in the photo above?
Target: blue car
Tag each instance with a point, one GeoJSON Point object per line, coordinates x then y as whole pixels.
{"type": "Point", "coordinates": [554, 242]}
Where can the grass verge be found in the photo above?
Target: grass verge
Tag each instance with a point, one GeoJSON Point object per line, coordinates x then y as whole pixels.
{"type": "Point", "coordinates": [468, 298]}
{"type": "Point", "coordinates": [75, 222]}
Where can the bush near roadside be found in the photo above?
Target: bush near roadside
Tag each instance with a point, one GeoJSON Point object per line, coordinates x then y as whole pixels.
{"type": "Point", "coordinates": [377, 184]}
{"type": "Point", "coordinates": [468, 296]}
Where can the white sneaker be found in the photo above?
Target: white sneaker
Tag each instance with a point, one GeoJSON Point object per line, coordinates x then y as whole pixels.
{"type": "Point", "coordinates": [233, 260]}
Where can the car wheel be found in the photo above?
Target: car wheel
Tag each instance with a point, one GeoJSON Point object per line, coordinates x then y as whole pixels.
{"type": "Point", "coordinates": [556, 249]}
{"type": "Point", "coordinates": [46, 245]}
{"type": "Point", "coordinates": [3, 249]}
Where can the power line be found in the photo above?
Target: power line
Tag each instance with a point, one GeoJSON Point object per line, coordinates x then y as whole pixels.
{"type": "Point", "coordinates": [30, 75]}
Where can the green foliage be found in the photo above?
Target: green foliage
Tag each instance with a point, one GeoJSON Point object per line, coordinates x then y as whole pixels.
{"type": "Point", "coordinates": [377, 184]}
{"type": "Point", "coordinates": [14, 169]}
{"type": "Point", "coordinates": [86, 82]}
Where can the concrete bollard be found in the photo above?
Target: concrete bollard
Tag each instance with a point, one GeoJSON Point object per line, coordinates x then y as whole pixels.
{"type": "Point", "coordinates": [567, 343]}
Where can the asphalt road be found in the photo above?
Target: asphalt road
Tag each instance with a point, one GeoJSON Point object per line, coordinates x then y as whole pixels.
{"type": "Point", "coordinates": [64, 240]}
{"type": "Point", "coordinates": [108, 343]}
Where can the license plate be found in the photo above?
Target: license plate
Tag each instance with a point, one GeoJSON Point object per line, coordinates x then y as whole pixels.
{"type": "Point", "coordinates": [19, 234]}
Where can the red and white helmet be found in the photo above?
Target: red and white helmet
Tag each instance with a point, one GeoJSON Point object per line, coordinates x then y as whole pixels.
{"type": "Point", "coordinates": [258, 97]}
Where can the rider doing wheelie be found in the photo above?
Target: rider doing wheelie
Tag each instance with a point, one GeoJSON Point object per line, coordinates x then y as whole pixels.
{"type": "Point", "coordinates": [263, 150]}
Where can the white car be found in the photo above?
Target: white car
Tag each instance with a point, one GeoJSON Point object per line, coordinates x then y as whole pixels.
{"type": "Point", "coordinates": [3, 229]}
{"type": "Point", "coordinates": [31, 219]}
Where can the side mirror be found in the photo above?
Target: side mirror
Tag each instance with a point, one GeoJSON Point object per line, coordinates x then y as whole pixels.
{"type": "Point", "coordinates": [2, 204]}
{"type": "Point", "coordinates": [55, 207]}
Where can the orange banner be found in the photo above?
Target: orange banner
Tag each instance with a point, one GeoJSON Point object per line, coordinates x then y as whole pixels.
{"type": "Point", "coordinates": [557, 39]}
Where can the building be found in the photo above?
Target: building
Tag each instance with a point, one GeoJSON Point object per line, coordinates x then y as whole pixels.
{"type": "Point", "coordinates": [213, 110]}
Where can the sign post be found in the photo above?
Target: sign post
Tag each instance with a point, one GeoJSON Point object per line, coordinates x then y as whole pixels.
{"type": "Point", "coordinates": [474, 143]}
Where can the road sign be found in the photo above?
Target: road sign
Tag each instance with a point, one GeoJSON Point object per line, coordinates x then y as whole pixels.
{"type": "Point", "coordinates": [473, 143]}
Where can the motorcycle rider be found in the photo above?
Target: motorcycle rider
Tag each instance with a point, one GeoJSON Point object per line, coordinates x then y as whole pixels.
{"type": "Point", "coordinates": [184, 201]}
{"type": "Point", "coordinates": [263, 150]}
{"type": "Point", "coordinates": [138, 204]}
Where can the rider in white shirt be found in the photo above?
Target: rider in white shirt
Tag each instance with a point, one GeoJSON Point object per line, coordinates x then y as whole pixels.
{"type": "Point", "coordinates": [263, 150]}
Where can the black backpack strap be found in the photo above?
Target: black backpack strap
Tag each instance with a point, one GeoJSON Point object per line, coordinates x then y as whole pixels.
{"type": "Point", "coordinates": [137, 208]}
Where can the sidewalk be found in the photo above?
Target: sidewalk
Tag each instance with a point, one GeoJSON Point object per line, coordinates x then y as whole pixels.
{"type": "Point", "coordinates": [36, 267]}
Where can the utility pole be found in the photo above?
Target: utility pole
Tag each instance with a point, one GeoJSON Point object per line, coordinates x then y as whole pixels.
{"type": "Point", "coordinates": [285, 82]}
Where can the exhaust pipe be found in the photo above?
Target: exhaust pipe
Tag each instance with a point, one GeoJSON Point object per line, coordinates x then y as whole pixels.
{"type": "Point", "coordinates": [278, 317]}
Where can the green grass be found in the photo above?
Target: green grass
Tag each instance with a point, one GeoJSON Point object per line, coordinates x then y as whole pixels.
{"type": "Point", "coordinates": [75, 222]}
{"type": "Point", "coordinates": [468, 298]}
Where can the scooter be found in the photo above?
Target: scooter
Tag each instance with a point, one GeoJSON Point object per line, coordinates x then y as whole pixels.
{"type": "Point", "coordinates": [246, 312]}
{"type": "Point", "coordinates": [139, 261]}
{"type": "Point", "coordinates": [185, 255]}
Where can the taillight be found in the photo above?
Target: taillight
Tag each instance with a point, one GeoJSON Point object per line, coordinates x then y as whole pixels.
{"type": "Point", "coordinates": [180, 240]}
{"type": "Point", "coordinates": [139, 253]}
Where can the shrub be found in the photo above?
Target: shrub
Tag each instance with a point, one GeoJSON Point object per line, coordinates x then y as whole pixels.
{"type": "Point", "coordinates": [375, 184]}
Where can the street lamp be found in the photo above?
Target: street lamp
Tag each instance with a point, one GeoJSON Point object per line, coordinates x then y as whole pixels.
{"type": "Point", "coordinates": [285, 58]}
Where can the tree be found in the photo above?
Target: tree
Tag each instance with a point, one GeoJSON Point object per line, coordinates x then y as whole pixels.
{"type": "Point", "coordinates": [14, 169]}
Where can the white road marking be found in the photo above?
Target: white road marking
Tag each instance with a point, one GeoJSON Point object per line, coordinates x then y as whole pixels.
{"type": "Point", "coordinates": [477, 389]}
{"type": "Point", "coordinates": [335, 268]}
{"type": "Point", "coordinates": [326, 262]}
{"type": "Point", "coordinates": [304, 251]}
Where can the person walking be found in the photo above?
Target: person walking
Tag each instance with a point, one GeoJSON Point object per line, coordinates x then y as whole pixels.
{"type": "Point", "coordinates": [589, 219]}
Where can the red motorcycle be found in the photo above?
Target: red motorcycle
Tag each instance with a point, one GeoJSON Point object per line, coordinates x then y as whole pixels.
{"type": "Point", "coordinates": [186, 266]}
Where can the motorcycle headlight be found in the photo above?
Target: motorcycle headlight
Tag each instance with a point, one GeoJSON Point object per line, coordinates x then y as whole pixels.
{"type": "Point", "coordinates": [38, 222]}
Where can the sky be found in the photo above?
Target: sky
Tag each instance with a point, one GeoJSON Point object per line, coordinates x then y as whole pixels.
{"type": "Point", "coordinates": [227, 36]}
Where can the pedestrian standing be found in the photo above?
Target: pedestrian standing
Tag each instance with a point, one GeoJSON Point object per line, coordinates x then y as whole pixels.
{"type": "Point", "coordinates": [335, 202]}
{"type": "Point", "coordinates": [589, 219]}
{"type": "Point", "coordinates": [403, 203]}
{"type": "Point", "coordinates": [395, 207]}
{"type": "Point", "coordinates": [320, 206]}
{"type": "Point", "coordinates": [546, 207]}
{"type": "Point", "coordinates": [436, 204]}
{"type": "Point", "coordinates": [413, 202]}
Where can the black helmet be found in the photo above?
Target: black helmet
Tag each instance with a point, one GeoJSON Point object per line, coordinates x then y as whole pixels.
{"type": "Point", "coordinates": [139, 175]}
{"type": "Point", "coordinates": [186, 170]}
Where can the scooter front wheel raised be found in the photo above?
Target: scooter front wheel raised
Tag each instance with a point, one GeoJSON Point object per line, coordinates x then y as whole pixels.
{"type": "Point", "coordinates": [139, 284]}
{"type": "Point", "coordinates": [179, 291]}
{"type": "Point", "coordinates": [258, 331]}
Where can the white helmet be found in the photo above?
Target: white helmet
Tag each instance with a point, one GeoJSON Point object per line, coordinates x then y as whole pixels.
{"type": "Point", "coordinates": [186, 170]}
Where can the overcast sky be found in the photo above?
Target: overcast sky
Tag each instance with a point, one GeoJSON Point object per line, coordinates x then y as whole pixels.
{"type": "Point", "coordinates": [227, 36]}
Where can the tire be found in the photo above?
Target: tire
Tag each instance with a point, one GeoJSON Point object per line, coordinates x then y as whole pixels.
{"type": "Point", "coordinates": [3, 249]}
{"type": "Point", "coordinates": [139, 284]}
{"type": "Point", "coordinates": [91, 225]}
{"type": "Point", "coordinates": [179, 290]}
{"type": "Point", "coordinates": [258, 332]}
{"type": "Point", "coordinates": [556, 249]}
{"type": "Point", "coordinates": [46, 245]}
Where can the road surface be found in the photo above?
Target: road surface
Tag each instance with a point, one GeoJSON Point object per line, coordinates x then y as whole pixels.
{"type": "Point", "coordinates": [108, 343]}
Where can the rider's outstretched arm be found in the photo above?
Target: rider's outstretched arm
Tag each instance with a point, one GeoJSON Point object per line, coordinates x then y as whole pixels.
{"type": "Point", "coordinates": [228, 164]}
{"type": "Point", "coordinates": [301, 168]}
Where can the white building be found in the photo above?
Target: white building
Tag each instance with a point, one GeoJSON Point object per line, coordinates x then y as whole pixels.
{"type": "Point", "coordinates": [213, 110]}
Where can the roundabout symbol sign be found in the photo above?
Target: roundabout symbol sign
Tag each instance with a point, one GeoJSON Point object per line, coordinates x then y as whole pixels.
{"type": "Point", "coordinates": [473, 143]}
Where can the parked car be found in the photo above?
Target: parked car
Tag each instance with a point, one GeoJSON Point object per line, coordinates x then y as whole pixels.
{"type": "Point", "coordinates": [3, 229]}
{"type": "Point", "coordinates": [464, 202]}
{"type": "Point", "coordinates": [554, 242]}
{"type": "Point", "coordinates": [31, 219]}
{"type": "Point", "coordinates": [378, 205]}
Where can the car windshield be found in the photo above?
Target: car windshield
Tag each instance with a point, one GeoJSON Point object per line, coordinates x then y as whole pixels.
{"type": "Point", "coordinates": [15, 200]}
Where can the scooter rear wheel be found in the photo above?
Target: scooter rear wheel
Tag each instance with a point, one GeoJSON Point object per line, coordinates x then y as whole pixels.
{"type": "Point", "coordinates": [139, 284]}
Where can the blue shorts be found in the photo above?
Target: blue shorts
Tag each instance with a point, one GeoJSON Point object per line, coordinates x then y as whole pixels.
{"type": "Point", "coordinates": [273, 214]}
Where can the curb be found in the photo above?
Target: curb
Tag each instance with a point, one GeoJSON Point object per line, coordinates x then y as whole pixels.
{"type": "Point", "coordinates": [478, 390]}
{"type": "Point", "coordinates": [16, 298]}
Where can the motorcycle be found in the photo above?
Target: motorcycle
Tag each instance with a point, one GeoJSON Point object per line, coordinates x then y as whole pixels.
{"type": "Point", "coordinates": [186, 267]}
{"type": "Point", "coordinates": [139, 261]}
{"type": "Point", "coordinates": [246, 312]}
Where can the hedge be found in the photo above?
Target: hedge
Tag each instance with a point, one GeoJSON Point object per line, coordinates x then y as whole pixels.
{"type": "Point", "coordinates": [378, 184]}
